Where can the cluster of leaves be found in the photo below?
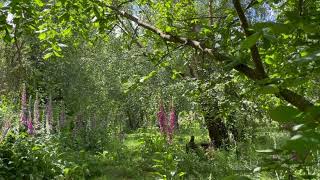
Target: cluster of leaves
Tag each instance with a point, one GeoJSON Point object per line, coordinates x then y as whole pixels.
{"type": "Point", "coordinates": [23, 157]}
{"type": "Point", "coordinates": [297, 157]}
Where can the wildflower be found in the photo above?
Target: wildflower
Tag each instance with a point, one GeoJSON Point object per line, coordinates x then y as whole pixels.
{"type": "Point", "coordinates": [5, 129]}
{"type": "Point", "coordinates": [173, 119]}
{"type": "Point", "coordinates": [62, 116]}
{"type": "Point", "coordinates": [29, 124]}
{"type": "Point", "coordinates": [162, 119]}
{"type": "Point", "coordinates": [49, 115]}
{"type": "Point", "coordinates": [36, 113]}
{"type": "Point", "coordinates": [23, 114]}
{"type": "Point", "coordinates": [172, 123]}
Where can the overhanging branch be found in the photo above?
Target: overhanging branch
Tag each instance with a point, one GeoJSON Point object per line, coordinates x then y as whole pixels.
{"type": "Point", "coordinates": [244, 69]}
{"type": "Point", "coordinates": [255, 74]}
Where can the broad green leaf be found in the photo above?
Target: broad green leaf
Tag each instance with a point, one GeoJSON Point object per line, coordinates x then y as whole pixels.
{"type": "Point", "coordinates": [297, 127]}
{"type": "Point", "coordinates": [298, 143]}
{"type": "Point", "coordinates": [284, 114]}
{"type": "Point", "coordinates": [251, 40]}
{"type": "Point", "coordinates": [268, 89]}
{"type": "Point", "coordinates": [279, 28]}
{"type": "Point", "coordinates": [276, 28]}
{"type": "Point", "coordinates": [295, 137]}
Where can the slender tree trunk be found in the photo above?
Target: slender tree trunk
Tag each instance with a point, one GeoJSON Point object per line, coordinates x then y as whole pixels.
{"type": "Point", "coordinates": [210, 10]}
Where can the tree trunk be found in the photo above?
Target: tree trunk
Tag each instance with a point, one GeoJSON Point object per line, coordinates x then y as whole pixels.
{"type": "Point", "coordinates": [217, 130]}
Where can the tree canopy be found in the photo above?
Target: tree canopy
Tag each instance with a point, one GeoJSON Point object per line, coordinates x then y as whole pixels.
{"type": "Point", "coordinates": [234, 67]}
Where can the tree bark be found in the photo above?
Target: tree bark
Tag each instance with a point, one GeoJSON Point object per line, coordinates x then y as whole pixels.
{"type": "Point", "coordinates": [210, 10]}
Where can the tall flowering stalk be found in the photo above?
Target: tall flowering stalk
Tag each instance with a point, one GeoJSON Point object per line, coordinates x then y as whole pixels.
{"type": "Point", "coordinates": [24, 113]}
{"type": "Point", "coordinates": [162, 118]}
{"type": "Point", "coordinates": [30, 125]}
{"type": "Point", "coordinates": [43, 121]}
{"type": "Point", "coordinates": [62, 116]}
{"type": "Point", "coordinates": [49, 115]}
{"type": "Point", "coordinates": [5, 129]}
{"type": "Point", "coordinates": [172, 122]}
{"type": "Point", "coordinates": [36, 113]}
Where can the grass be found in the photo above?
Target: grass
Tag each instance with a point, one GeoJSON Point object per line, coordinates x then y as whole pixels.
{"type": "Point", "coordinates": [145, 154]}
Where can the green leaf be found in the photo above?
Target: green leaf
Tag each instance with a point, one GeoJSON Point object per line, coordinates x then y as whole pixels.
{"type": "Point", "coordinates": [251, 40]}
{"type": "Point", "coordinates": [257, 169]}
{"type": "Point", "coordinates": [205, 31]}
{"type": "Point", "coordinates": [268, 89]}
{"type": "Point", "coordinates": [57, 54]}
{"type": "Point", "coordinates": [181, 174]}
{"type": "Point", "coordinates": [309, 58]}
{"type": "Point", "coordinates": [150, 75]}
{"type": "Point", "coordinates": [279, 28]}
{"type": "Point", "coordinates": [42, 36]}
{"type": "Point", "coordinates": [284, 114]}
{"type": "Point", "coordinates": [297, 143]}
{"type": "Point", "coordinates": [168, 29]}
{"type": "Point", "coordinates": [48, 55]}
{"type": "Point", "coordinates": [294, 82]}
{"type": "Point", "coordinates": [39, 3]}
{"type": "Point", "coordinates": [67, 32]}
{"type": "Point", "coordinates": [235, 177]}
{"type": "Point", "coordinates": [66, 171]}
{"type": "Point", "coordinates": [232, 63]}
{"type": "Point", "coordinates": [175, 74]}
{"type": "Point", "coordinates": [276, 28]}
{"type": "Point", "coordinates": [265, 151]}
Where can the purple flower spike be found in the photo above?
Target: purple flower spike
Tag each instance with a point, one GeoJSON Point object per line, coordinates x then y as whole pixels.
{"type": "Point", "coordinates": [36, 113]}
{"type": "Point", "coordinates": [49, 116]}
{"type": "Point", "coordinates": [62, 117]}
{"type": "Point", "coordinates": [23, 114]}
{"type": "Point", "coordinates": [30, 127]}
{"type": "Point", "coordinates": [162, 119]}
{"type": "Point", "coordinates": [173, 119]}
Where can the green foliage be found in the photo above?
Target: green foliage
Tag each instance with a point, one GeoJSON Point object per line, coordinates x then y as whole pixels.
{"type": "Point", "coordinates": [251, 40]}
{"type": "Point", "coordinates": [285, 114]}
{"type": "Point", "coordinates": [22, 157]}
{"type": "Point", "coordinates": [297, 157]}
{"type": "Point", "coordinates": [103, 65]}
